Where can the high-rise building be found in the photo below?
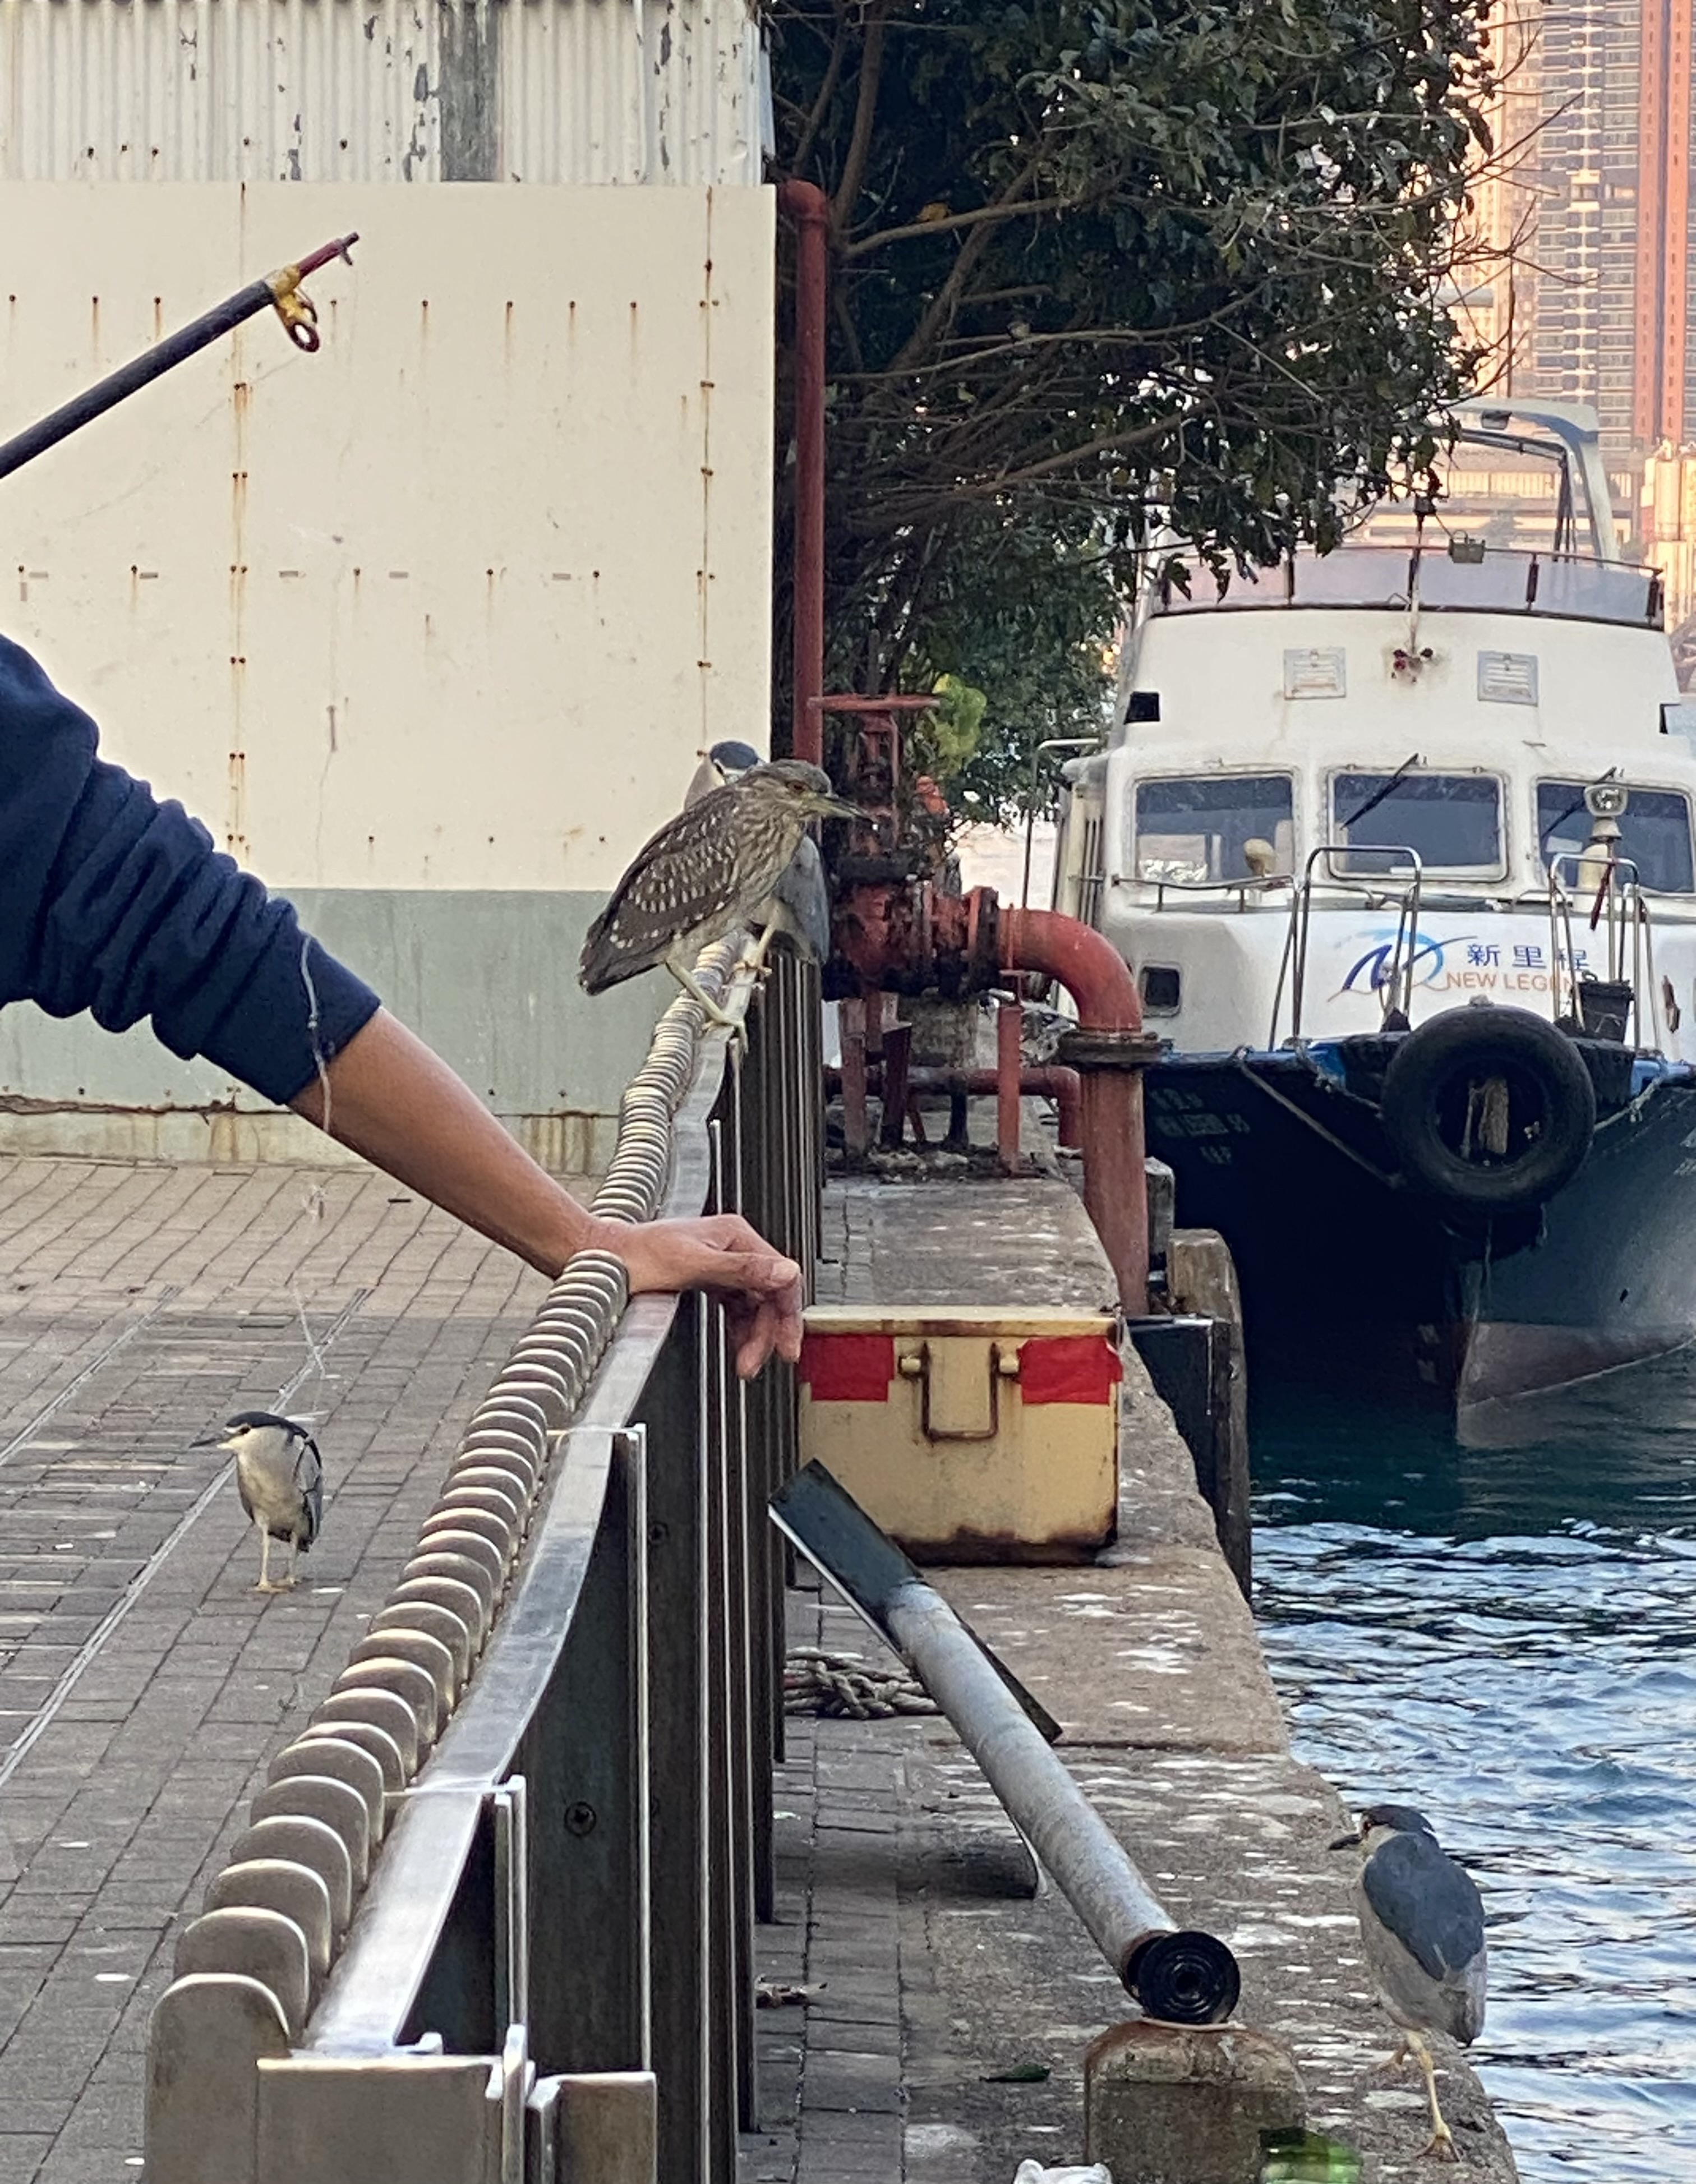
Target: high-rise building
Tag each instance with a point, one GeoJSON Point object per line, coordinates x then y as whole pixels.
{"type": "Point", "coordinates": [1590, 202]}
{"type": "Point", "coordinates": [1581, 283]}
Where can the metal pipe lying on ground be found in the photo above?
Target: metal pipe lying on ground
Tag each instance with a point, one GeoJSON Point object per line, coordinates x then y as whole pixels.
{"type": "Point", "coordinates": [1184, 1978]}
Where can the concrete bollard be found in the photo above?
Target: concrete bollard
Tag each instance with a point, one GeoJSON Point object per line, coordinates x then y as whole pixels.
{"type": "Point", "coordinates": [1201, 1277]}
{"type": "Point", "coordinates": [1186, 2104]}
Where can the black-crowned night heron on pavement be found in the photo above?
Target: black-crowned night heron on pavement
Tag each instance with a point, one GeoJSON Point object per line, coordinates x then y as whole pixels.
{"type": "Point", "coordinates": [1422, 1934]}
{"type": "Point", "coordinates": [279, 1477]}
{"type": "Point", "coordinates": [713, 869]}
{"type": "Point", "coordinates": [801, 900]}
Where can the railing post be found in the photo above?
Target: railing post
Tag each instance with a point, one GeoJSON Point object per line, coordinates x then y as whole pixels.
{"type": "Point", "coordinates": [586, 1762]}
{"type": "Point", "coordinates": [592, 2130]}
{"type": "Point", "coordinates": [729, 1406]}
{"type": "Point", "coordinates": [677, 1639]}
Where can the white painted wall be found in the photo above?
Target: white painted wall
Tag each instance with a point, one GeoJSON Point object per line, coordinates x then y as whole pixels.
{"type": "Point", "coordinates": [452, 604]}
{"type": "Point", "coordinates": [428, 628]}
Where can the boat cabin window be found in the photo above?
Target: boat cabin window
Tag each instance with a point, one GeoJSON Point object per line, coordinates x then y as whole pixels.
{"type": "Point", "coordinates": [1654, 833]}
{"type": "Point", "coordinates": [1452, 821]}
{"type": "Point", "coordinates": [1194, 829]}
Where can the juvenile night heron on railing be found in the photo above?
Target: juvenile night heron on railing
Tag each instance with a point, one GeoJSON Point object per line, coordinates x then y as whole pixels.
{"type": "Point", "coordinates": [711, 870]}
{"type": "Point", "coordinates": [280, 1477]}
{"type": "Point", "coordinates": [1422, 1933]}
{"type": "Point", "coordinates": [801, 901]}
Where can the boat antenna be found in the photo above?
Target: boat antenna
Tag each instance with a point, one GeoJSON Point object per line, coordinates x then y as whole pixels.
{"type": "Point", "coordinates": [1384, 788]}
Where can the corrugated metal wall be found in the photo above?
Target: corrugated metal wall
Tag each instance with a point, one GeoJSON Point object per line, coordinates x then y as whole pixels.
{"type": "Point", "coordinates": [376, 90]}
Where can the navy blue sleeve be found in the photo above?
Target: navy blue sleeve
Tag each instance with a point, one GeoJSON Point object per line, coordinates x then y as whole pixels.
{"type": "Point", "coordinates": [114, 902]}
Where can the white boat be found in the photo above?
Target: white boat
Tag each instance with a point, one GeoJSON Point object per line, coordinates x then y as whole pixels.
{"type": "Point", "coordinates": [1397, 841]}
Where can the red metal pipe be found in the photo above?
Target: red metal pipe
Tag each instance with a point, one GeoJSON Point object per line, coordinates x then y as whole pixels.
{"type": "Point", "coordinates": [856, 1127]}
{"type": "Point", "coordinates": [1090, 968]}
{"type": "Point", "coordinates": [910, 938]}
{"type": "Point", "coordinates": [897, 1052]}
{"type": "Point", "coordinates": [1100, 983]}
{"type": "Point", "coordinates": [806, 205]}
{"type": "Point", "coordinates": [1009, 1021]}
{"type": "Point", "coordinates": [1047, 1081]}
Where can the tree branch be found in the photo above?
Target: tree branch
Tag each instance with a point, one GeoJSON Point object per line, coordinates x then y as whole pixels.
{"type": "Point", "coordinates": [865, 113]}
{"type": "Point", "coordinates": [999, 210]}
{"type": "Point", "coordinates": [827, 92]}
{"type": "Point", "coordinates": [946, 299]}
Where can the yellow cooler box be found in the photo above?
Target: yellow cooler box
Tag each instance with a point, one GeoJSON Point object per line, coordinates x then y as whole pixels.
{"type": "Point", "coordinates": [970, 1434]}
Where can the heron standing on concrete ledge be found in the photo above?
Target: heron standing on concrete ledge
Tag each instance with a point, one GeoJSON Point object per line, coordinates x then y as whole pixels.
{"type": "Point", "coordinates": [1422, 1933]}
{"type": "Point", "coordinates": [279, 1477]}
{"type": "Point", "coordinates": [713, 869]}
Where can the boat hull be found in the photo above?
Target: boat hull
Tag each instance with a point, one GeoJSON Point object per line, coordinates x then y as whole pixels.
{"type": "Point", "coordinates": [1350, 1278]}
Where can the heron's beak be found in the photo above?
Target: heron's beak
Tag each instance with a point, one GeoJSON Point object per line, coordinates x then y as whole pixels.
{"type": "Point", "coordinates": [833, 807]}
{"type": "Point", "coordinates": [1345, 1843]}
{"type": "Point", "coordinates": [207, 1441]}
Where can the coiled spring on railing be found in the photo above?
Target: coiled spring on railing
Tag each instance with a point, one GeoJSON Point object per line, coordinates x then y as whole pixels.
{"type": "Point", "coordinates": [280, 1908]}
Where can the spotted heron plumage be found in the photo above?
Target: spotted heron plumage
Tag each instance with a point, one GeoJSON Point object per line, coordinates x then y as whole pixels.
{"type": "Point", "coordinates": [711, 870]}
{"type": "Point", "coordinates": [801, 900]}
{"type": "Point", "coordinates": [1422, 1934]}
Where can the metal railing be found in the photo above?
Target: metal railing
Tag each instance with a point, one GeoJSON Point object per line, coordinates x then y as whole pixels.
{"type": "Point", "coordinates": [1394, 983]}
{"type": "Point", "coordinates": [492, 1918]}
{"type": "Point", "coordinates": [1612, 905]}
{"type": "Point", "coordinates": [1261, 884]}
{"type": "Point", "coordinates": [1505, 580]}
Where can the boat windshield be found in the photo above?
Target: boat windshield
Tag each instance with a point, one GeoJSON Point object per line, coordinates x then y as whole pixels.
{"type": "Point", "coordinates": [1194, 829]}
{"type": "Point", "coordinates": [1452, 821]}
{"type": "Point", "coordinates": [1654, 833]}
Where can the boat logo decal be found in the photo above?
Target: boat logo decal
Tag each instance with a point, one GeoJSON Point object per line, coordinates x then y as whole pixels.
{"type": "Point", "coordinates": [1458, 963]}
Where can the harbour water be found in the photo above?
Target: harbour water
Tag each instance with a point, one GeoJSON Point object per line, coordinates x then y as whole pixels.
{"type": "Point", "coordinates": [1507, 1639]}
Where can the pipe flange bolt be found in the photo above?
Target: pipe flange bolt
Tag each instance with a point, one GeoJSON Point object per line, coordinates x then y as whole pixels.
{"type": "Point", "coordinates": [1088, 1047]}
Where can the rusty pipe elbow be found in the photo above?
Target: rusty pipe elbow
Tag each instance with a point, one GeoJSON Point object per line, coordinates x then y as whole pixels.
{"type": "Point", "coordinates": [1090, 967]}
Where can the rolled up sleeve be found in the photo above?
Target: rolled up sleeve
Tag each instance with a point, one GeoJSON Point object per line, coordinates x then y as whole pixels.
{"type": "Point", "coordinates": [117, 903]}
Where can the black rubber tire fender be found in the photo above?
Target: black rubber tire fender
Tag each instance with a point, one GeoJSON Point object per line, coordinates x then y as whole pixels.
{"type": "Point", "coordinates": [1432, 1066]}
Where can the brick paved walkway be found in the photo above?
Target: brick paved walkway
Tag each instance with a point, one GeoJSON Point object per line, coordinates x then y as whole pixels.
{"type": "Point", "coordinates": [144, 1684]}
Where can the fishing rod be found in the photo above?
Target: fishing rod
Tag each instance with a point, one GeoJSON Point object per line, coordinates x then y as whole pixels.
{"type": "Point", "coordinates": [280, 292]}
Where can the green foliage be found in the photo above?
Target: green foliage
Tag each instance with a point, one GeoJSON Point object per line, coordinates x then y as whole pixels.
{"type": "Point", "coordinates": [1102, 274]}
{"type": "Point", "coordinates": [952, 732]}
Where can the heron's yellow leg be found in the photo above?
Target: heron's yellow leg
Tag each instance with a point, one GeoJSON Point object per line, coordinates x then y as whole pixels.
{"type": "Point", "coordinates": [264, 1584]}
{"type": "Point", "coordinates": [1441, 2146]}
{"type": "Point", "coordinates": [716, 1013]}
{"type": "Point", "coordinates": [756, 962]}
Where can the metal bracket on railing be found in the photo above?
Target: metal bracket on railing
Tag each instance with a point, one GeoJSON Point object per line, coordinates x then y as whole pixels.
{"type": "Point", "coordinates": [512, 1899]}
{"type": "Point", "coordinates": [509, 2085]}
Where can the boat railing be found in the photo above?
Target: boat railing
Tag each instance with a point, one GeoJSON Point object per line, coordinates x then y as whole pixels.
{"type": "Point", "coordinates": [1623, 996]}
{"type": "Point", "coordinates": [1484, 579]}
{"type": "Point", "coordinates": [1393, 980]}
{"type": "Point", "coordinates": [1250, 883]}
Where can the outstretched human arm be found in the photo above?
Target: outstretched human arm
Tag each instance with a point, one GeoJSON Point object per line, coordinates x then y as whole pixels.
{"type": "Point", "coordinates": [394, 1100]}
{"type": "Point", "coordinates": [116, 902]}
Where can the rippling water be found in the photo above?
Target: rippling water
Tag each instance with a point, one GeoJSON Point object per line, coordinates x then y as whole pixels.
{"type": "Point", "coordinates": [1507, 1639]}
